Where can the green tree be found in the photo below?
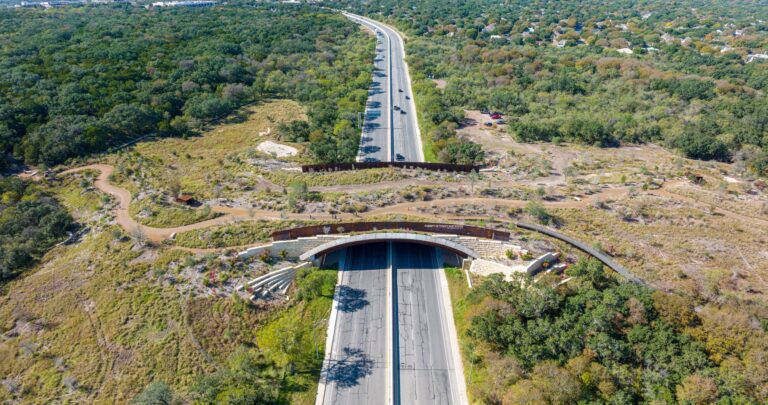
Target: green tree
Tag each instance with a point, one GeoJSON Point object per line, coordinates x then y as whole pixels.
{"type": "Point", "coordinates": [248, 378]}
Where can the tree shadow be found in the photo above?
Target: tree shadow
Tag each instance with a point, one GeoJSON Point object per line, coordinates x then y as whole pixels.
{"type": "Point", "coordinates": [467, 122]}
{"type": "Point", "coordinates": [371, 149]}
{"type": "Point", "coordinates": [347, 372]}
{"type": "Point", "coordinates": [350, 299]}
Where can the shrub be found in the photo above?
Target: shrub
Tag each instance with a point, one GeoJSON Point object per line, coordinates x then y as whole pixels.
{"type": "Point", "coordinates": [702, 146]}
{"type": "Point", "coordinates": [538, 212]}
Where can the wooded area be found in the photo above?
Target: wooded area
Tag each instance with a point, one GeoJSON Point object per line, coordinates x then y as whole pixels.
{"type": "Point", "coordinates": [596, 340]}
{"type": "Point", "coordinates": [74, 81]}
{"type": "Point", "coordinates": [31, 222]}
{"type": "Point", "coordinates": [555, 69]}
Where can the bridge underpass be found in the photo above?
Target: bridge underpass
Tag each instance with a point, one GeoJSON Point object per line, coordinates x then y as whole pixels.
{"type": "Point", "coordinates": [391, 336]}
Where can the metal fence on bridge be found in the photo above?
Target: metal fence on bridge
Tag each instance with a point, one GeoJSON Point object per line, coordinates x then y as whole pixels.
{"type": "Point", "coordinates": [334, 167]}
{"type": "Point", "coordinates": [425, 227]}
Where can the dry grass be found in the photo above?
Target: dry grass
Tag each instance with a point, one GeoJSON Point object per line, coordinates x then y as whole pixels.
{"type": "Point", "coordinates": [370, 176]}
{"type": "Point", "coordinates": [677, 247]}
{"type": "Point", "coordinates": [113, 319]}
{"type": "Point", "coordinates": [98, 320]}
{"type": "Point", "coordinates": [212, 164]}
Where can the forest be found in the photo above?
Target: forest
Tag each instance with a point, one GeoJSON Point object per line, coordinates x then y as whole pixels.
{"type": "Point", "coordinates": [76, 81]}
{"type": "Point", "coordinates": [31, 222]}
{"type": "Point", "coordinates": [596, 73]}
{"type": "Point", "coordinates": [597, 340]}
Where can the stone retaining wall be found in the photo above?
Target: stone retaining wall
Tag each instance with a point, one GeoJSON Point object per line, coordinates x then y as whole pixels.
{"type": "Point", "coordinates": [485, 248]}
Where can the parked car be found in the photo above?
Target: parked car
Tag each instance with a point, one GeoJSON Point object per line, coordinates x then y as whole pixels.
{"type": "Point", "coordinates": [488, 124]}
{"type": "Point", "coordinates": [496, 116]}
{"type": "Point", "coordinates": [501, 122]}
{"type": "Point", "coordinates": [484, 111]}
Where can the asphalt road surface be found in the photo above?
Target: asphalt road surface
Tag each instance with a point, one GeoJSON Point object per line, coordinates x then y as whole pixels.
{"type": "Point", "coordinates": [356, 370]}
{"type": "Point", "coordinates": [390, 131]}
{"type": "Point", "coordinates": [428, 373]}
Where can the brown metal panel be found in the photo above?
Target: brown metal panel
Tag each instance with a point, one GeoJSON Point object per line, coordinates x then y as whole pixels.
{"type": "Point", "coordinates": [423, 227]}
{"type": "Point", "coordinates": [331, 167]}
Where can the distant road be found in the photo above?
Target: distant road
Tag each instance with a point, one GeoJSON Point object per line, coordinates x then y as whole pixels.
{"type": "Point", "coordinates": [391, 130]}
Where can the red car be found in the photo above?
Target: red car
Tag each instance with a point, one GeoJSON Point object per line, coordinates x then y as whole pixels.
{"type": "Point", "coordinates": [496, 116]}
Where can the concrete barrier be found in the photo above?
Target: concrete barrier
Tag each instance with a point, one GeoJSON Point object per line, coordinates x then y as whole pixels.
{"type": "Point", "coordinates": [586, 249]}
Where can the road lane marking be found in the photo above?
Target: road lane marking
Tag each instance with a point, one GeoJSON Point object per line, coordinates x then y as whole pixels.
{"type": "Point", "coordinates": [330, 333]}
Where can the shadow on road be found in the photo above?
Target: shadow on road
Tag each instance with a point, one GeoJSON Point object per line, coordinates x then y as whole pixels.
{"type": "Point", "coordinates": [350, 299]}
{"type": "Point", "coordinates": [370, 149]}
{"type": "Point", "coordinates": [347, 372]}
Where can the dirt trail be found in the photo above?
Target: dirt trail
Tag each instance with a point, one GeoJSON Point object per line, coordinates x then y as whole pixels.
{"type": "Point", "coordinates": [232, 214]}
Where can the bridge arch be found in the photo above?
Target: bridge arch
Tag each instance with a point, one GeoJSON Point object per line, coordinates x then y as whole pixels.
{"type": "Point", "coordinates": [389, 237]}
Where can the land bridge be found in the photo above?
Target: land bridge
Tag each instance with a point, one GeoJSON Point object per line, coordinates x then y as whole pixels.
{"type": "Point", "coordinates": [313, 242]}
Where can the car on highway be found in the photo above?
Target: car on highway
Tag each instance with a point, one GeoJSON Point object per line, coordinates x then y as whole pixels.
{"type": "Point", "coordinates": [399, 157]}
{"type": "Point", "coordinates": [396, 108]}
{"type": "Point", "coordinates": [407, 97]}
{"type": "Point", "coordinates": [399, 90]}
{"type": "Point", "coordinates": [402, 111]}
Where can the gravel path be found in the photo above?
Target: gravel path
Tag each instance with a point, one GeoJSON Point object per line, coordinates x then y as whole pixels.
{"type": "Point", "coordinates": [234, 214]}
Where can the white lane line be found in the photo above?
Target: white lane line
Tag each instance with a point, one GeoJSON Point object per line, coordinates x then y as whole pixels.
{"type": "Point", "coordinates": [392, 365]}
{"type": "Point", "coordinates": [330, 333]}
{"type": "Point", "coordinates": [385, 29]}
{"type": "Point", "coordinates": [406, 74]}
{"type": "Point", "coordinates": [452, 335]}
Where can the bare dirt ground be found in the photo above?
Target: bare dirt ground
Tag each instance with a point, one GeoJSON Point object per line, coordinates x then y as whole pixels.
{"type": "Point", "coordinates": [234, 213]}
{"type": "Point", "coordinates": [639, 202]}
{"type": "Point", "coordinates": [277, 149]}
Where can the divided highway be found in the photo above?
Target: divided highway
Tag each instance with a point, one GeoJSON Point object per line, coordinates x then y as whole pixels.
{"type": "Point", "coordinates": [356, 360]}
{"type": "Point", "coordinates": [429, 365]}
{"type": "Point", "coordinates": [390, 130]}
{"type": "Point", "coordinates": [391, 336]}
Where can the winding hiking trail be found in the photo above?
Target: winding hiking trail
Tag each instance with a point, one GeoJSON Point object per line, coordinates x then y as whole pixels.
{"type": "Point", "coordinates": [232, 214]}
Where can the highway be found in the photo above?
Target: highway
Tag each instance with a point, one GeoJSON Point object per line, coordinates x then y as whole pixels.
{"type": "Point", "coordinates": [355, 370]}
{"type": "Point", "coordinates": [373, 327]}
{"type": "Point", "coordinates": [430, 368]}
{"type": "Point", "coordinates": [390, 130]}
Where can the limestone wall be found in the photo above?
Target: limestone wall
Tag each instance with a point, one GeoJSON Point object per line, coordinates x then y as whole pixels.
{"type": "Point", "coordinates": [485, 248]}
